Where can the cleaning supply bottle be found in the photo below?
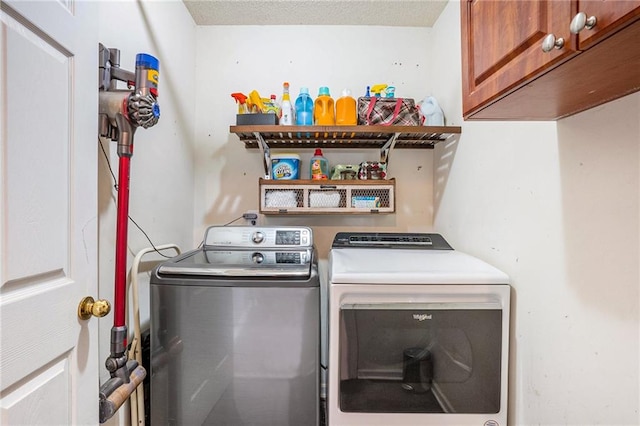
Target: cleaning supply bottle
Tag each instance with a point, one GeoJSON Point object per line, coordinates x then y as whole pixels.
{"type": "Point", "coordinates": [346, 111]}
{"type": "Point", "coordinates": [324, 113]}
{"type": "Point", "coordinates": [255, 103]}
{"type": "Point", "coordinates": [241, 101]}
{"type": "Point", "coordinates": [377, 90]}
{"type": "Point", "coordinates": [304, 108]}
{"type": "Point", "coordinates": [319, 166]}
{"type": "Point", "coordinates": [286, 109]}
{"type": "Point", "coordinates": [390, 91]}
{"type": "Point", "coordinates": [271, 106]}
{"type": "Point", "coordinates": [431, 111]}
{"type": "Point", "coordinates": [274, 106]}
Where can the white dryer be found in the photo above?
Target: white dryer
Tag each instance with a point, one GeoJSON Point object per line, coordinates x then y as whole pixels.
{"type": "Point", "coordinates": [418, 333]}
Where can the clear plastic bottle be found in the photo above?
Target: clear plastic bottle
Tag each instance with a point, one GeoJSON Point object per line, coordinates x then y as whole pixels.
{"type": "Point", "coordinates": [319, 166]}
{"type": "Point", "coordinates": [346, 111]}
{"type": "Point", "coordinates": [324, 113]}
{"type": "Point", "coordinates": [286, 109]}
{"type": "Point", "coordinates": [304, 108]}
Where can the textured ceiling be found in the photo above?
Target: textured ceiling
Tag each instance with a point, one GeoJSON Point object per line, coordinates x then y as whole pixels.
{"type": "Point", "coordinates": [416, 13]}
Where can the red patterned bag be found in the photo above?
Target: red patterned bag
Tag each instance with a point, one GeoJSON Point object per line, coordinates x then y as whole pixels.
{"type": "Point", "coordinates": [388, 111]}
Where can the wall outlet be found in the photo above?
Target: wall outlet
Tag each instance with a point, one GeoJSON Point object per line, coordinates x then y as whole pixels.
{"type": "Point", "coordinates": [250, 217]}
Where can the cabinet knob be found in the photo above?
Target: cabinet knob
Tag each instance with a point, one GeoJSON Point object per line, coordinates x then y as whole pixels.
{"type": "Point", "coordinates": [550, 42]}
{"type": "Point", "coordinates": [580, 22]}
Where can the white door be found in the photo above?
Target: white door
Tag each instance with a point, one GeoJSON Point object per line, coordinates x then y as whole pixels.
{"type": "Point", "coordinates": [48, 216]}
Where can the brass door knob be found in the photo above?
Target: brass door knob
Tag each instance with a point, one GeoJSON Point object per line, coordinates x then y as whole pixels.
{"type": "Point", "coordinates": [97, 308]}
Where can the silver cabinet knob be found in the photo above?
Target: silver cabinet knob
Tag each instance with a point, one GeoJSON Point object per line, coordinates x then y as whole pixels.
{"type": "Point", "coordinates": [580, 22]}
{"type": "Point", "coordinates": [550, 42]}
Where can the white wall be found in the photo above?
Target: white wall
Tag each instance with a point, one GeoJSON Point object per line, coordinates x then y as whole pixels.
{"type": "Point", "coordinates": [244, 58]}
{"type": "Point", "coordinates": [162, 177]}
{"type": "Point", "coordinates": [555, 205]}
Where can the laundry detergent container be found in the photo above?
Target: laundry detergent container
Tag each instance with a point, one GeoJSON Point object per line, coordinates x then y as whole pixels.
{"type": "Point", "coordinates": [285, 166]}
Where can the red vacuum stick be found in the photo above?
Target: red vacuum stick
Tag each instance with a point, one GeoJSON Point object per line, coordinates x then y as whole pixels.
{"type": "Point", "coordinates": [120, 296]}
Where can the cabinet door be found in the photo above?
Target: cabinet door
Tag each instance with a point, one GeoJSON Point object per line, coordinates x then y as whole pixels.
{"type": "Point", "coordinates": [502, 45]}
{"type": "Point", "coordinates": [611, 15]}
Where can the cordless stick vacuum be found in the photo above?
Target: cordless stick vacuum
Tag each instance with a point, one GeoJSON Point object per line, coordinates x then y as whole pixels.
{"type": "Point", "coordinates": [121, 112]}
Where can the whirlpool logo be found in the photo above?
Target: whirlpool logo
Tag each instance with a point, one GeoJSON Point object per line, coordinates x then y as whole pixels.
{"type": "Point", "coordinates": [422, 317]}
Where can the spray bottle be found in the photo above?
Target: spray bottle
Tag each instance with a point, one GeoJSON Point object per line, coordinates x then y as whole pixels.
{"type": "Point", "coordinates": [377, 89]}
{"type": "Point", "coordinates": [241, 101]}
{"type": "Point", "coordinates": [255, 103]}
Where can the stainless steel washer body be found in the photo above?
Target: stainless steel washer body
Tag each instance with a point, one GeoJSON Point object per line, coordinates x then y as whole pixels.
{"type": "Point", "coordinates": [235, 330]}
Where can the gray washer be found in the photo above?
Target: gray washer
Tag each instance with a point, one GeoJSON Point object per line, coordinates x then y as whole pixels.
{"type": "Point", "coordinates": [235, 333]}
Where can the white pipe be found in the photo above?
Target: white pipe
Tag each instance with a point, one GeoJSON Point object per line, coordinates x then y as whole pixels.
{"type": "Point", "coordinates": [137, 396]}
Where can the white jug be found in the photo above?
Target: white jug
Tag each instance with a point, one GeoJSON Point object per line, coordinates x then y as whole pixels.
{"type": "Point", "coordinates": [431, 111]}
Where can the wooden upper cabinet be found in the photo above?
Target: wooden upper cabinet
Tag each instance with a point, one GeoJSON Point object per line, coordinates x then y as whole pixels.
{"type": "Point", "coordinates": [609, 17]}
{"type": "Point", "coordinates": [506, 75]}
{"type": "Point", "coordinates": [502, 45]}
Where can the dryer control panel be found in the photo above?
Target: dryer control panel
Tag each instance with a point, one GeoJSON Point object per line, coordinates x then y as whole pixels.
{"type": "Point", "coordinates": [254, 236]}
{"type": "Point", "coordinates": [388, 240]}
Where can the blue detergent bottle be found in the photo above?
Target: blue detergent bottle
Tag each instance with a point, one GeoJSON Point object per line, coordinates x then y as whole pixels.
{"type": "Point", "coordinates": [304, 108]}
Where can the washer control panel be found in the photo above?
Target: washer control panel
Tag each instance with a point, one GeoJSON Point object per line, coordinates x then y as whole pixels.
{"type": "Point", "coordinates": [225, 258]}
{"type": "Point", "coordinates": [263, 237]}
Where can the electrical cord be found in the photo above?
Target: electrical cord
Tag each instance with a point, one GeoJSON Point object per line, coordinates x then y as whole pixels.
{"type": "Point", "coordinates": [247, 216]}
{"type": "Point", "coordinates": [234, 220]}
{"type": "Point", "coordinates": [115, 185]}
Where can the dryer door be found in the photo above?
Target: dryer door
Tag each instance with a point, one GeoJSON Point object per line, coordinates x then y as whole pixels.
{"type": "Point", "coordinates": [420, 358]}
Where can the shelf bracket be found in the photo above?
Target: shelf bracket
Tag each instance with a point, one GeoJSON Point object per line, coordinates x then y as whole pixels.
{"type": "Point", "coordinates": [266, 154]}
{"type": "Point", "coordinates": [387, 148]}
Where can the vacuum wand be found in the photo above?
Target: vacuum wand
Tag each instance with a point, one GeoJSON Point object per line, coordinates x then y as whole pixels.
{"type": "Point", "coordinates": [121, 112]}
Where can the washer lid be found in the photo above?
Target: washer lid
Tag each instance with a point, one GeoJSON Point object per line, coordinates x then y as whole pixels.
{"type": "Point", "coordinates": [407, 266]}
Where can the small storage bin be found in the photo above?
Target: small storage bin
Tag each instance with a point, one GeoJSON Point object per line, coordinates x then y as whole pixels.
{"type": "Point", "coordinates": [324, 198]}
{"type": "Point", "coordinates": [281, 199]}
